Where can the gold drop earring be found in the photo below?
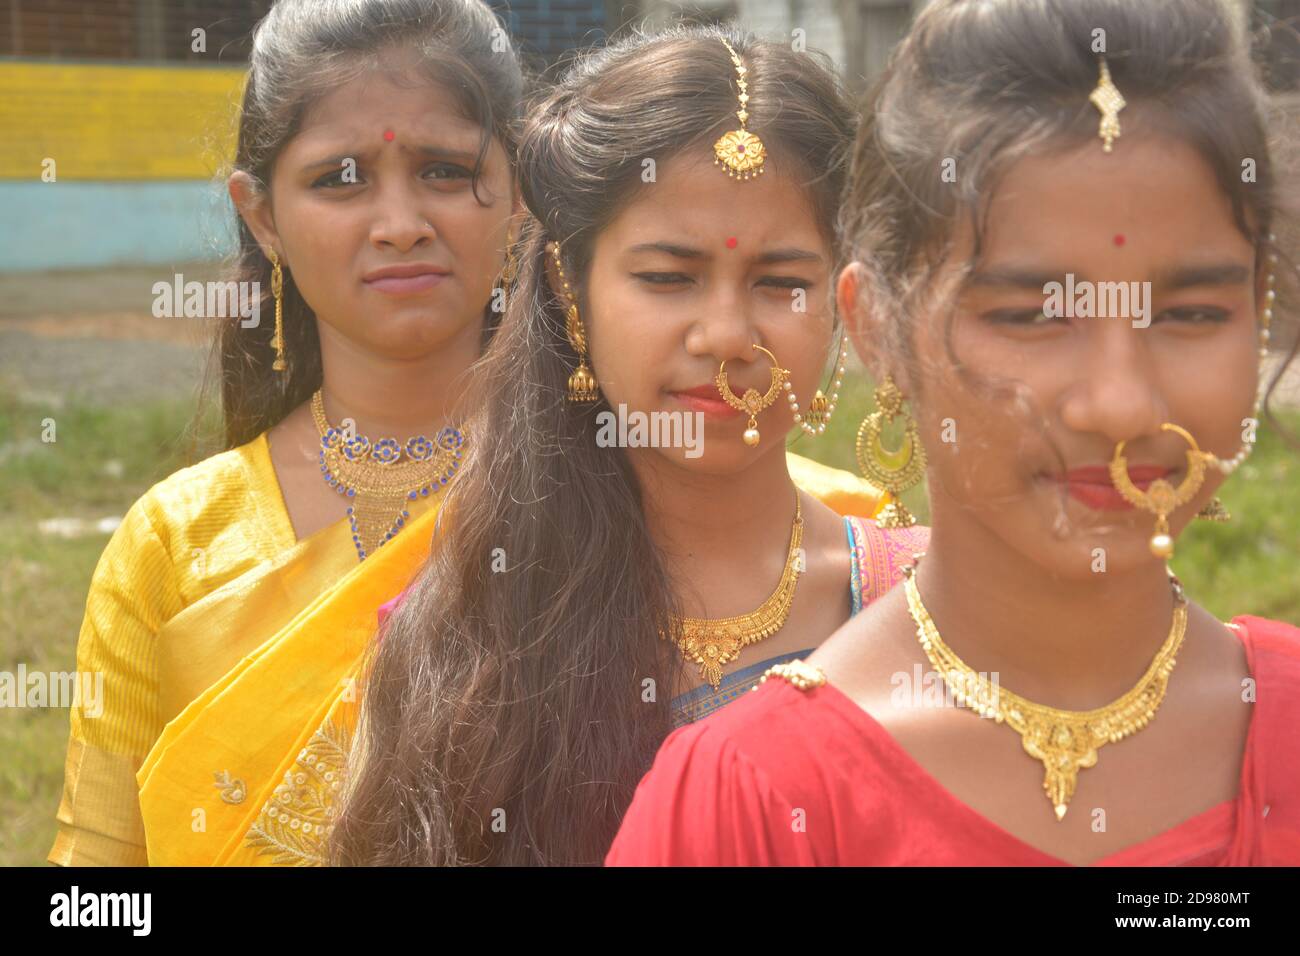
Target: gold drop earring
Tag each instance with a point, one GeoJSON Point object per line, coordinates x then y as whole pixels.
{"type": "Point", "coordinates": [893, 470]}
{"type": "Point", "coordinates": [1214, 509]}
{"type": "Point", "coordinates": [751, 401]}
{"type": "Point", "coordinates": [820, 408]}
{"type": "Point", "coordinates": [277, 290]}
{"type": "Point", "coordinates": [511, 266]}
{"type": "Point", "coordinates": [582, 383]}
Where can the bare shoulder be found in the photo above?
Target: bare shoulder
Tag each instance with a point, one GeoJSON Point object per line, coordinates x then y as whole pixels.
{"type": "Point", "coordinates": [874, 644]}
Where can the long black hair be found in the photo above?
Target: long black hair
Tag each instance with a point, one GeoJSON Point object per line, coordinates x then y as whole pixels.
{"type": "Point", "coordinates": [522, 687]}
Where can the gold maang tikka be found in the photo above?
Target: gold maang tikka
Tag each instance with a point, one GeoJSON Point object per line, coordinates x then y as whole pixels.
{"type": "Point", "coordinates": [752, 402]}
{"type": "Point", "coordinates": [1108, 99]}
{"type": "Point", "coordinates": [740, 152]}
{"type": "Point", "coordinates": [582, 383]}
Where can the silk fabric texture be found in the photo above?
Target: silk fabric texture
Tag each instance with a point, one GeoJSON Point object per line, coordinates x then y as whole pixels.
{"type": "Point", "coordinates": [241, 698]}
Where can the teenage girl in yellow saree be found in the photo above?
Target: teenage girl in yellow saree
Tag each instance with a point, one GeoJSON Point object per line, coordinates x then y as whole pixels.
{"type": "Point", "coordinates": [373, 178]}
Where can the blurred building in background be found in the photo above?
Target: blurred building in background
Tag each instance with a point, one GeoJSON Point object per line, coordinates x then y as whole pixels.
{"type": "Point", "coordinates": [118, 116]}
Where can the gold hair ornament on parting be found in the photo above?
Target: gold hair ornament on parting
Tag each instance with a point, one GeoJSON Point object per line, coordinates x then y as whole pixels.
{"type": "Point", "coordinates": [740, 152]}
{"type": "Point", "coordinates": [1108, 99]}
{"type": "Point", "coordinates": [582, 383]}
{"type": "Point", "coordinates": [752, 402]}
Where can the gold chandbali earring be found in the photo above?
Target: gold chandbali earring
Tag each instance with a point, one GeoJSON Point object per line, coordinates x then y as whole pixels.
{"type": "Point", "coordinates": [582, 383]}
{"type": "Point", "coordinates": [893, 470]}
{"type": "Point", "coordinates": [1215, 510]}
{"type": "Point", "coordinates": [713, 642]}
{"type": "Point", "coordinates": [1066, 741]}
{"type": "Point", "coordinates": [1161, 497]}
{"type": "Point", "coordinates": [820, 408]}
{"type": "Point", "coordinates": [380, 479]}
{"type": "Point", "coordinates": [751, 401]}
{"type": "Point", "coordinates": [277, 290]}
{"type": "Point", "coordinates": [740, 152]}
{"type": "Point", "coordinates": [1109, 101]}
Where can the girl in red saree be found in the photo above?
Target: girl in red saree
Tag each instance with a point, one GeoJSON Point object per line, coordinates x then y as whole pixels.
{"type": "Point", "coordinates": [1104, 717]}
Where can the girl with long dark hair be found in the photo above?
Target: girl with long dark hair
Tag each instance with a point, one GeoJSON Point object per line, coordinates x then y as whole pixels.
{"type": "Point", "coordinates": [585, 592]}
{"type": "Point", "coordinates": [374, 189]}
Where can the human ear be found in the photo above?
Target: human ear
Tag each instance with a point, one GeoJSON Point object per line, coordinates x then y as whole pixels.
{"type": "Point", "coordinates": [865, 324]}
{"type": "Point", "coordinates": [254, 206]}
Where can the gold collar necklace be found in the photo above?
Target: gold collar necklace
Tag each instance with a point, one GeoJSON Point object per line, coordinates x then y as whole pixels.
{"type": "Point", "coordinates": [380, 479]}
{"type": "Point", "coordinates": [1064, 740]}
{"type": "Point", "coordinates": [713, 642]}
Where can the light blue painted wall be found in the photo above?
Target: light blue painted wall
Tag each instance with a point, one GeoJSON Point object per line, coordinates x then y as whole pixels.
{"type": "Point", "coordinates": [72, 225]}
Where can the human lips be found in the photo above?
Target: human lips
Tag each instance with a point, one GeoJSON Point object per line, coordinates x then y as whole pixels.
{"type": "Point", "coordinates": [405, 279]}
{"type": "Point", "coordinates": [1091, 485]}
{"type": "Point", "coordinates": [706, 399]}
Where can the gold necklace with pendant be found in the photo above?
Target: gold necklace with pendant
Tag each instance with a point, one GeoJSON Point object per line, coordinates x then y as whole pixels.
{"type": "Point", "coordinates": [713, 642]}
{"type": "Point", "coordinates": [381, 479]}
{"type": "Point", "coordinates": [1066, 741]}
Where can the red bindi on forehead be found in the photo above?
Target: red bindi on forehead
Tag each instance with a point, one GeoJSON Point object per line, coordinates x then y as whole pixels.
{"type": "Point", "coordinates": [388, 135]}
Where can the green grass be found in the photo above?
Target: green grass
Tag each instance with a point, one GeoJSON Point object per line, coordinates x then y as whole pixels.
{"type": "Point", "coordinates": [1247, 565]}
{"type": "Point", "coordinates": [102, 459]}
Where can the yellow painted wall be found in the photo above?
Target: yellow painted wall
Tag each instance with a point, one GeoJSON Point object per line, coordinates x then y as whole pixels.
{"type": "Point", "coordinates": [117, 122]}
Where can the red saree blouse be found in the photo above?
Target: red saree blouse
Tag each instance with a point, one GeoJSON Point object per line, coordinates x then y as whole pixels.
{"type": "Point", "coordinates": [722, 791]}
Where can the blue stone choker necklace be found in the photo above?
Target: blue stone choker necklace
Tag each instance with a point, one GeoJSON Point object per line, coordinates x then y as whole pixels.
{"type": "Point", "coordinates": [382, 478]}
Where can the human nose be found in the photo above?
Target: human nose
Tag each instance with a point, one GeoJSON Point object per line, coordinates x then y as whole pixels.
{"type": "Point", "coordinates": [1118, 393]}
{"type": "Point", "coordinates": [724, 330]}
{"type": "Point", "coordinates": [399, 222]}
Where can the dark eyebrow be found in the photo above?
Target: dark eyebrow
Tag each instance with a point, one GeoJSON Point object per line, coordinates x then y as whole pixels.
{"type": "Point", "coordinates": [668, 248]}
{"type": "Point", "coordinates": [687, 252]}
{"type": "Point", "coordinates": [1186, 277]}
{"type": "Point", "coordinates": [1180, 277]}
{"type": "Point", "coordinates": [1012, 276]}
{"type": "Point", "coordinates": [441, 152]}
{"type": "Point", "coordinates": [789, 255]}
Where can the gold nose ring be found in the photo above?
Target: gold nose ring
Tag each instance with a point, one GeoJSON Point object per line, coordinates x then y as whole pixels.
{"type": "Point", "coordinates": [752, 402]}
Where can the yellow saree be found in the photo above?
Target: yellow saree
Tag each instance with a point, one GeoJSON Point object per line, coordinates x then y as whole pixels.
{"type": "Point", "coordinates": [246, 772]}
{"type": "Point", "coordinates": [204, 567]}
